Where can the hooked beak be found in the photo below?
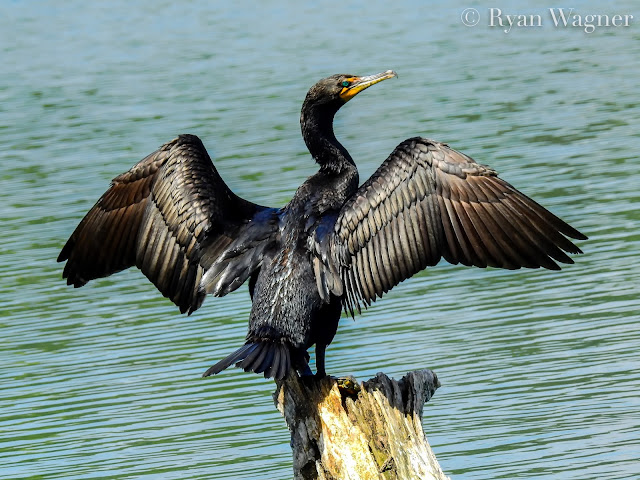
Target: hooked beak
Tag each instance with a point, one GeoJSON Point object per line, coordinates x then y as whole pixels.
{"type": "Point", "coordinates": [358, 84]}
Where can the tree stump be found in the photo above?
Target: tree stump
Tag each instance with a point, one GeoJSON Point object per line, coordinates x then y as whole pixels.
{"type": "Point", "coordinates": [367, 431]}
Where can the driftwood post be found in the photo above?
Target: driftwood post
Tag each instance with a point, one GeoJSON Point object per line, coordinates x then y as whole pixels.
{"type": "Point", "coordinates": [367, 431]}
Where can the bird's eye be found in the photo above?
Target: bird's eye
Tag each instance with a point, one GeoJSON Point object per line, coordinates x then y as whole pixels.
{"type": "Point", "coordinates": [346, 83]}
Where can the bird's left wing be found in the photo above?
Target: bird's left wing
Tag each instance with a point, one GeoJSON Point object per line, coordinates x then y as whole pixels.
{"type": "Point", "coordinates": [426, 202]}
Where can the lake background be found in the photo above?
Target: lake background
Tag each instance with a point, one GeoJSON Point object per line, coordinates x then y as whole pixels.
{"type": "Point", "coordinates": [540, 370]}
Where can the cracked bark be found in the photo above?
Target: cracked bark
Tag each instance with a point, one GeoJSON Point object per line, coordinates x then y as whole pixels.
{"type": "Point", "coordinates": [370, 431]}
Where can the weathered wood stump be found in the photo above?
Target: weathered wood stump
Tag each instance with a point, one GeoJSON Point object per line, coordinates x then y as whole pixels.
{"type": "Point", "coordinates": [367, 431]}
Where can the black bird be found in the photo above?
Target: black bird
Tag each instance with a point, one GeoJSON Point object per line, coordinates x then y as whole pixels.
{"type": "Point", "coordinates": [335, 245]}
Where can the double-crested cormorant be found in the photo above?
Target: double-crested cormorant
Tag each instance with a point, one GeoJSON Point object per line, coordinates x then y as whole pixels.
{"type": "Point", "coordinates": [334, 246]}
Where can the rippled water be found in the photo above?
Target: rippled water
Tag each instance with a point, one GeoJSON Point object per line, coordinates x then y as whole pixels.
{"type": "Point", "coordinates": [540, 370]}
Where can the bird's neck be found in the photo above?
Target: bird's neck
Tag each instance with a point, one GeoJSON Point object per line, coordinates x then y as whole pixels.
{"type": "Point", "coordinates": [317, 130]}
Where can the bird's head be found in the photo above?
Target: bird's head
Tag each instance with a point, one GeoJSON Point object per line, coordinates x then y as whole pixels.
{"type": "Point", "coordinates": [321, 104]}
{"type": "Point", "coordinates": [341, 88]}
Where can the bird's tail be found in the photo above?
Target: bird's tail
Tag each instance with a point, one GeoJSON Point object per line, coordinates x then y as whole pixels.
{"type": "Point", "coordinates": [271, 358]}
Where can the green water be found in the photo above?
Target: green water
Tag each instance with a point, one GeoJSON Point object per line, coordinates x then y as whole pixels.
{"type": "Point", "coordinates": [540, 370]}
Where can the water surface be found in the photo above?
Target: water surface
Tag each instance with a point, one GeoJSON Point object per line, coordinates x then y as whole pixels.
{"type": "Point", "coordinates": [539, 369]}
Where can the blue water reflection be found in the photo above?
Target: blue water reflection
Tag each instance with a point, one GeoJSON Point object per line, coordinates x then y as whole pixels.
{"type": "Point", "coordinates": [539, 369]}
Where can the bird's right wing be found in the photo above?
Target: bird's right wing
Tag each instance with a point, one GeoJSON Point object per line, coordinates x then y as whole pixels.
{"type": "Point", "coordinates": [171, 215]}
{"type": "Point", "coordinates": [427, 202]}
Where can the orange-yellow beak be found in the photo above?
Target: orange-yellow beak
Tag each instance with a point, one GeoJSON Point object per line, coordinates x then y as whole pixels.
{"type": "Point", "coordinates": [358, 84]}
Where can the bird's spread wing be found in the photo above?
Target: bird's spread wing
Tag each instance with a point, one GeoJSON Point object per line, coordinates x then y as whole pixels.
{"type": "Point", "coordinates": [170, 215]}
{"type": "Point", "coordinates": [426, 202]}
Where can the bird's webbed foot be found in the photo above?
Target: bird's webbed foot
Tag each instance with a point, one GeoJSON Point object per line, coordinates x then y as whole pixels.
{"type": "Point", "coordinates": [305, 371]}
{"type": "Point", "coordinates": [301, 365]}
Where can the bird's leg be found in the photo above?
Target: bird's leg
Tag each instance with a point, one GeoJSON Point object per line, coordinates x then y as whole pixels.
{"type": "Point", "coordinates": [320, 356]}
{"type": "Point", "coordinates": [301, 364]}
{"type": "Point", "coordinates": [305, 371]}
{"type": "Point", "coordinates": [348, 386]}
{"type": "Point", "coordinates": [306, 375]}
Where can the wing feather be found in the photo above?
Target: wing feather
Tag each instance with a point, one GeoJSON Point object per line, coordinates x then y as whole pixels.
{"type": "Point", "coordinates": [427, 202]}
{"type": "Point", "coordinates": [171, 215]}
{"type": "Point", "coordinates": [510, 239]}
